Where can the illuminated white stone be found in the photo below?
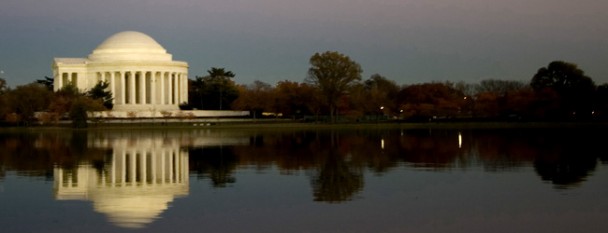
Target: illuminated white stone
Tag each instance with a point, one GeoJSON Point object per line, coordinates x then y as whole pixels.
{"type": "Point", "coordinates": [141, 74]}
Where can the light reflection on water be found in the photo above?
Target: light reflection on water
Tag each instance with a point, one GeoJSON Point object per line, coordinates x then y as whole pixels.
{"type": "Point", "coordinates": [310, 181]}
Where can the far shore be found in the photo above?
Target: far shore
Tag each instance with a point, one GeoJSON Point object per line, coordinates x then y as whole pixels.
{"type": "Point", "coordinates": [275, 124]}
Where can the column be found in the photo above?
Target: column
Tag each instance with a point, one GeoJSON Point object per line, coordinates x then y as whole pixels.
{"type": "Point", "coordinates": [171, 165]}
{"type": "Point", "coordinates": [162, 167]}
{"type": "Point", "coordinates": [177, 168]}
{"type": "Point", "coordinates": [153, 86]}
{"type": "Point", "coordinates": [132, 169]}
{"type": "Point", "coordinates": [143, 168]}
{"type": "Point", "coordinates": [113, 180]}
{"type": "Point", "coordinates": [113, 87]}
{"type": "Point", "coordinates": [132, 88]}
{"type": "Point", "coordinates": [178, 88]}
{"type": "Point", "coordinates": [162, 88]}
{"type": "Point", "coordinates": [153, 167]}
{"type": "Point", "coordinates": [142, 87]}
{"type": "Point", "coordinates": [123, 168]}
{"type": "Point", "coordinates": [59, 79]}
{"type": "Point", "coordinates": [185, 172]}
{"type": "Point", "coordinates": [123, 85]}
{"type": "Point", "coordinates": [185, 88]}
{"type": "Point", "coordinates": [170, 94]}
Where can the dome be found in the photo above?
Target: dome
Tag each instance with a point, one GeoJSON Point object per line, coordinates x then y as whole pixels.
{"type": "Point", "coordinates": [130, 45]}
{"type": "Point", "coordinates": [133, 211]}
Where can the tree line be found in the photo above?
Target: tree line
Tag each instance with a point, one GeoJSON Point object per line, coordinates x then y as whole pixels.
{"type": "Point", "coordinates": [334, 90]}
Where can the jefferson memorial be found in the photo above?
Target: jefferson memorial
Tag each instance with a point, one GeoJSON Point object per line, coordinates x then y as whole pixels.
{"type": "Point", "coordinates": [141, 75]}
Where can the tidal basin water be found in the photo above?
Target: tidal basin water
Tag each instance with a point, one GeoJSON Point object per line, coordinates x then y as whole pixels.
{"type": "Point", "coordinates": [323, 180]}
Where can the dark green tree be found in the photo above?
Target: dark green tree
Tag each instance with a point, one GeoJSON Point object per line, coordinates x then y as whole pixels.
{"type": "Point", "coordinates": [47, 82]}
{"type": "Point", "coordinates": [333, 73]}
{"type": "Point", "coordinates": [100, 92]}
{"type": "Point", "coordinates": [574, 89]}
{"type": "Point", "coordinates": [216, 90]}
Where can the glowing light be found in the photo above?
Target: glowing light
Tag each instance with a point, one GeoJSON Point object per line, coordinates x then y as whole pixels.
{"type": "Point", "coordinates": [459, 140]}
{"type": "Point", "coordinates": [382, 143]}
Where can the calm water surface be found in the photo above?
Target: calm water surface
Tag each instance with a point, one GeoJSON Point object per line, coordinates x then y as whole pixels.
{"type": "Point", "coordinates": [373, 180]}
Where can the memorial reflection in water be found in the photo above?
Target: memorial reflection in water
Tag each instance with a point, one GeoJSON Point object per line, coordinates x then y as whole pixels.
{"type": "Point", "coordinates": [216, 179]}
{"type": "Point", "coordinates": [135, 185]}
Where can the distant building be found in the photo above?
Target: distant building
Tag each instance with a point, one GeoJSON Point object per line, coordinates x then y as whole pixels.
{"type": "Point", "coordinates": [141, 74]}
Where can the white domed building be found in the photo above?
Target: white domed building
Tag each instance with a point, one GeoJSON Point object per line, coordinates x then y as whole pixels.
{"type": "Point", "coordinates": [142, 76]}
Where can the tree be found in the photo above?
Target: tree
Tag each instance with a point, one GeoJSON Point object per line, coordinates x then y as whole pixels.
{"type": "Point", "coordinates": [100, 92]}
{"type": "Point", "coordinates": [213, 91]}
{"type": "Point", "coordinates": [424, 101]}
{"type": "Point", "coordinates": [47, 82]}
{"type": "Point", "coordinates": [382, 94]}
{"type": "Point", "coordinates": [61, 101]}
{"type": "Point", "coordinates": [574, 89]}
{"type": "Point", "coordinates": [336, 180]}
{"type": "Point", "coordinates": [221, 77]}
{"type": "Point", "coordinates": [494, 98]}
{"type": "Point", "coordinates": [601, 102]}
{"type": "Point", "coordinates": [332, 73]}
{"type": "Point", "coordinates": [257, 98]}
{"type": "Point", "coordinates": [3, 86]}
{"type": "Point", "coordinates": [499, 87]}
{"type": "Point", "coordinates": [26, 100]}
{"type": "Point", "coordinates": [295, 99]}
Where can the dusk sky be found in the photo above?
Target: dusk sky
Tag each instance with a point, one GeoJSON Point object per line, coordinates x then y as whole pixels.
{"type": "Point", "coordinates": [409, 41]}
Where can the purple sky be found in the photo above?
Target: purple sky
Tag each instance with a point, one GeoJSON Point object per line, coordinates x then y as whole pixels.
{"type": "Point", "coordinates": [409, 41]}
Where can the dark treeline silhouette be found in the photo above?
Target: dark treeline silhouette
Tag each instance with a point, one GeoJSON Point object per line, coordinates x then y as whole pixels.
{"type": "Point", "coordinates": [558, 92]}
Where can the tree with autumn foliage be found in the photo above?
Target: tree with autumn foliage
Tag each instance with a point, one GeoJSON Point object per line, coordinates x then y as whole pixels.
{"type": "Point", "coordinates": [496, 98]}
{"type": "Point", "coordinates": [21, 104]}
{"type": "Point", "coordinates": [333, 73]}
{"type": "Point", "coordinates": [428, 100]}
{"type": "Point", "coordinates": [257, 98]}
{"type": "Point", "coordinates": [295, 99]}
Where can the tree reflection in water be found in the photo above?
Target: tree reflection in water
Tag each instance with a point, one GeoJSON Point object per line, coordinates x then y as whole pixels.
{"type": "Point", "coordinates": [336, 159]}
{"type": "Point", "coordinates": [336, 180]}
{"type": "Point", "coordinates": [215, 163]}
{"type": "Point", "coordinates": [573, 157]}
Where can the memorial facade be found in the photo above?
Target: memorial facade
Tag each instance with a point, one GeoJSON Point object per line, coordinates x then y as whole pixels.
{"type": "Point", "coordinates": [141, 75]}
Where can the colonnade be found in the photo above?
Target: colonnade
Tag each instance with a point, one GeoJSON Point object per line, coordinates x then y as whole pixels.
{"type": "Point", "coordinates": [139, 87]}
{"type": "Point", "coordinates": [68, 77]}
{"type": "Point", "coordinates": [146, 87]}
{"type": "Point", "coordinates": [128, 168]}
{"type": "Point", "coordinates": [133, 167]}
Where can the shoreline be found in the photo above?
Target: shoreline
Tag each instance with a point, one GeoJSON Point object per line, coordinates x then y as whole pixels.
{"type": "Point", "coordinates": [289, 124]}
